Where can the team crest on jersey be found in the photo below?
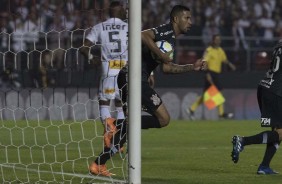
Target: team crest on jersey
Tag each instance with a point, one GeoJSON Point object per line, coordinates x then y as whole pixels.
{"type": "Point", "coordinates": [156, 100]}
{"type": "Point", "coordinates": [265, 121]}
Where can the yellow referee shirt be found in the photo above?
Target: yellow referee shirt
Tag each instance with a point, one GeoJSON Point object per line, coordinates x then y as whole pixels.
{"type": "Point", "coordinates": [215, 57]}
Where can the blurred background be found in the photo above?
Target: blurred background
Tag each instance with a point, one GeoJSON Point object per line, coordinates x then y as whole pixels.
{"type": "Point", "coordinates": [249, 28]}
{"type": "Point", "coordinates": [40, 39]}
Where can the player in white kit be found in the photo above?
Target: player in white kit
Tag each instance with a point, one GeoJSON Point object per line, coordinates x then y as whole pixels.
{"type": "Point", "coordinates": [112, 37]}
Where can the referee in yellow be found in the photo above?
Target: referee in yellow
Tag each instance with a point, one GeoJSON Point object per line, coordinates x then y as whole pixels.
{"type": "Point", "coordinates": [215, 57]}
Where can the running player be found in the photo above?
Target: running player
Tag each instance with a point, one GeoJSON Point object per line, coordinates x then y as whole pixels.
{"type": "Point", "coordinates": [269, 96]}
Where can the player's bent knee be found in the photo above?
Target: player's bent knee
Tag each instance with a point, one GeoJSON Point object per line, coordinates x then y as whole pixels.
{"type": "Point", "coordinates": [164, 121]}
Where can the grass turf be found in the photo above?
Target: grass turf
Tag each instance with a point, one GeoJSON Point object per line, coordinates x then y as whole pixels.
{"type": "Point", "coordinates": [199, 153]}
{"type": "Point", "coordinates": [185, 152]}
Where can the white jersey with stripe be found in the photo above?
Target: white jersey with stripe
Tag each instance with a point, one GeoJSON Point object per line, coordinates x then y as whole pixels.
{"type": "Point", "coordinates": [112, 35]}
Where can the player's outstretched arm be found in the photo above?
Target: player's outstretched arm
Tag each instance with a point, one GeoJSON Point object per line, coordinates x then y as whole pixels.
{"type": "Point", "coordinates": [172, 68]}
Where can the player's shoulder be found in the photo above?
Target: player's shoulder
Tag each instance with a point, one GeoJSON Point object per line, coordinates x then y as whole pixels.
{"type": "Point", "coordinates": [164, 27]}
{"type": "Point", "coordinates": [98, 26]}
{"type": "Point", "coordinates": [209, 49]}
{"type": "Point", "coordinates": [278, 44]}
{"type": "Point", "coordinates": [164, 32]}
{"type": "Point", "coordinates": [221, 49]}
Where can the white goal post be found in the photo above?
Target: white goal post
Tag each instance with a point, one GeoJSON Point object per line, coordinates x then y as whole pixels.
{"type": "Point", "coordinates": [134, 115]}
{"type": "Point", "coordinates": [51, 133]}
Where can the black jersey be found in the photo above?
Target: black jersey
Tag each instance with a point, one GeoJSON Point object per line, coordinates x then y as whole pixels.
{"type": "Point", "coordinates": [273, 78]}
{"type": "Point", "coordinates": [163, 32]}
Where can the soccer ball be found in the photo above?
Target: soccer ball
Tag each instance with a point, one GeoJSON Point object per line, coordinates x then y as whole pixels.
{"type": "Point", "coordinates": [165, 47]}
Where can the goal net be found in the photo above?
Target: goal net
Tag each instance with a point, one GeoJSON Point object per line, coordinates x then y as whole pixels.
{"type": "Point", "coordinates": [49, 110]}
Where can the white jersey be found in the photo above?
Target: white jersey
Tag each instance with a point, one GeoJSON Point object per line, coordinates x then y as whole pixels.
{"type": "Point", "coordinates": [113, 37]}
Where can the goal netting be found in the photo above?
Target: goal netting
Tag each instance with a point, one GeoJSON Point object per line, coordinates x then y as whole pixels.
{"type": "Point", "coordinates": [49, 110]}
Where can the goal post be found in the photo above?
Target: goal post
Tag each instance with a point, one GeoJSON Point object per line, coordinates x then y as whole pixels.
{"type": "Point", "coordinates": [134, 114]}
{"type": "Point", "coordinates": [49, 107]}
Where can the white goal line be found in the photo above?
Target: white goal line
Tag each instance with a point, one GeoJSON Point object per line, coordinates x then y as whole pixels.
{"type": "Point", "coordinates": [68, 174]}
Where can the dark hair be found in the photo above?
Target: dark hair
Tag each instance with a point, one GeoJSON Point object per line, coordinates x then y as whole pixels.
{"type": "Point", "coordinates": [176, 10]}
{"type": "Point", "coordinates": [113, 5]}
{"type": "Point", "coordinates": [214, 36]}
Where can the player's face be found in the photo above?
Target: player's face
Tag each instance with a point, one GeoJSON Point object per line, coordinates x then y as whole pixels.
{"type": "Point", "coordinates": [185, 22]}
{"type": "Point", "coordinates": [217, 41]}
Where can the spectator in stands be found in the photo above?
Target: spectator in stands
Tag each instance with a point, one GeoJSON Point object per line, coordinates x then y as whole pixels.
{"type": "Point", "coordinates": [209, 30]}
{"type": "Point", "coordinates": [31, 28]}
{"type": "Point", "coordinates": [238, 31]}
{"type": "Point", "coordinates": [278, 22]}
{"type": "Point", "coordinates": [5, 30]}
{"type": "Point", "coordinates": [266, 27]}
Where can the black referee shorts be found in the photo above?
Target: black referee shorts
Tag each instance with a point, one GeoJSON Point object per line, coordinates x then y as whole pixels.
{"type": "Point", "coordinates": [216, 80]}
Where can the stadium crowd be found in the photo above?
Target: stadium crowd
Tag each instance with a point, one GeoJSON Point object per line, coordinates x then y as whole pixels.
{"type": "Point", "coordinates": [28, 25]}
{"type": "Point", "coordinates": [237, 19]}
{"type": "Point", "coordinates": [43, 35]}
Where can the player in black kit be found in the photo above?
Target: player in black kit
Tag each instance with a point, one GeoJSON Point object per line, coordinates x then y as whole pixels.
{"type": "Point", "coordinates": [180, 23]}
{"type": "Point", "coordinates": [269, 96]}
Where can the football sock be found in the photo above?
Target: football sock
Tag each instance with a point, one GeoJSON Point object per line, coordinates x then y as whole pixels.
{"type": "Point", "coordinates": [269, 153]}
{"type": "Point", "coordinates": [196, 104]}
{"type": "Point", "coordinates": [262, 138]}
{"type": "Point", "coordinates": [150, 122]}
{"type": "Point", "coordinates": [118, 140]}
{"type": "Point", "coordinates": [103, 157]}
{"type": "Point", "coordinates": [220, 110]}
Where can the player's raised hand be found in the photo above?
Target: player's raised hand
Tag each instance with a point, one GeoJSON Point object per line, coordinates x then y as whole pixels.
{"type": "Point", "coordinates": [200, 64]}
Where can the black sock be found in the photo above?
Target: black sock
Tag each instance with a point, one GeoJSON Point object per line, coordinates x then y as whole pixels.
{"type": "Point", "coordinates": [120, 138]}
{"type": "Point", "coordinates": [117, 142]}
{"type": "Point", "coordinates": [103, 157]}
{"type": "Point", "coordinates": [150, 122]}
{"type": "Point", "coordinates": [269, 153]}
{"type": "Point", "coordinates": [262, 138]}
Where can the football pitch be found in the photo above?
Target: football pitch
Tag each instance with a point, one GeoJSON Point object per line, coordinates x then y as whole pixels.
{"type": "Point", "coordinates": [185, 152]}
{"type": "Point", "coordinates": [199, 152]}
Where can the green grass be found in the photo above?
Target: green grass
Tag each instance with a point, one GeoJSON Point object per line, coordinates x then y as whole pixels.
{"type": "Point", "coordinates": [199, 153]}
{"type": "Point", "coordinates": [184, 152]}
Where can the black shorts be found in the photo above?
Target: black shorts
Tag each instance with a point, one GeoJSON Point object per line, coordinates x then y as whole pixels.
{"type": "Point", "coordinates": [122, 85]}
{"type": "Point", "coordinates": [150, 98]}
{"type": "Point", "coordinates": [215, 78]}
{"type": "Point", "coordinates": [270, 106]}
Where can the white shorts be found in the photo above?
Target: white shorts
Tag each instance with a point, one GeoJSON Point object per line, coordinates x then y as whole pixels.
{"type": "Point", "coordinates": [108, 88]}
